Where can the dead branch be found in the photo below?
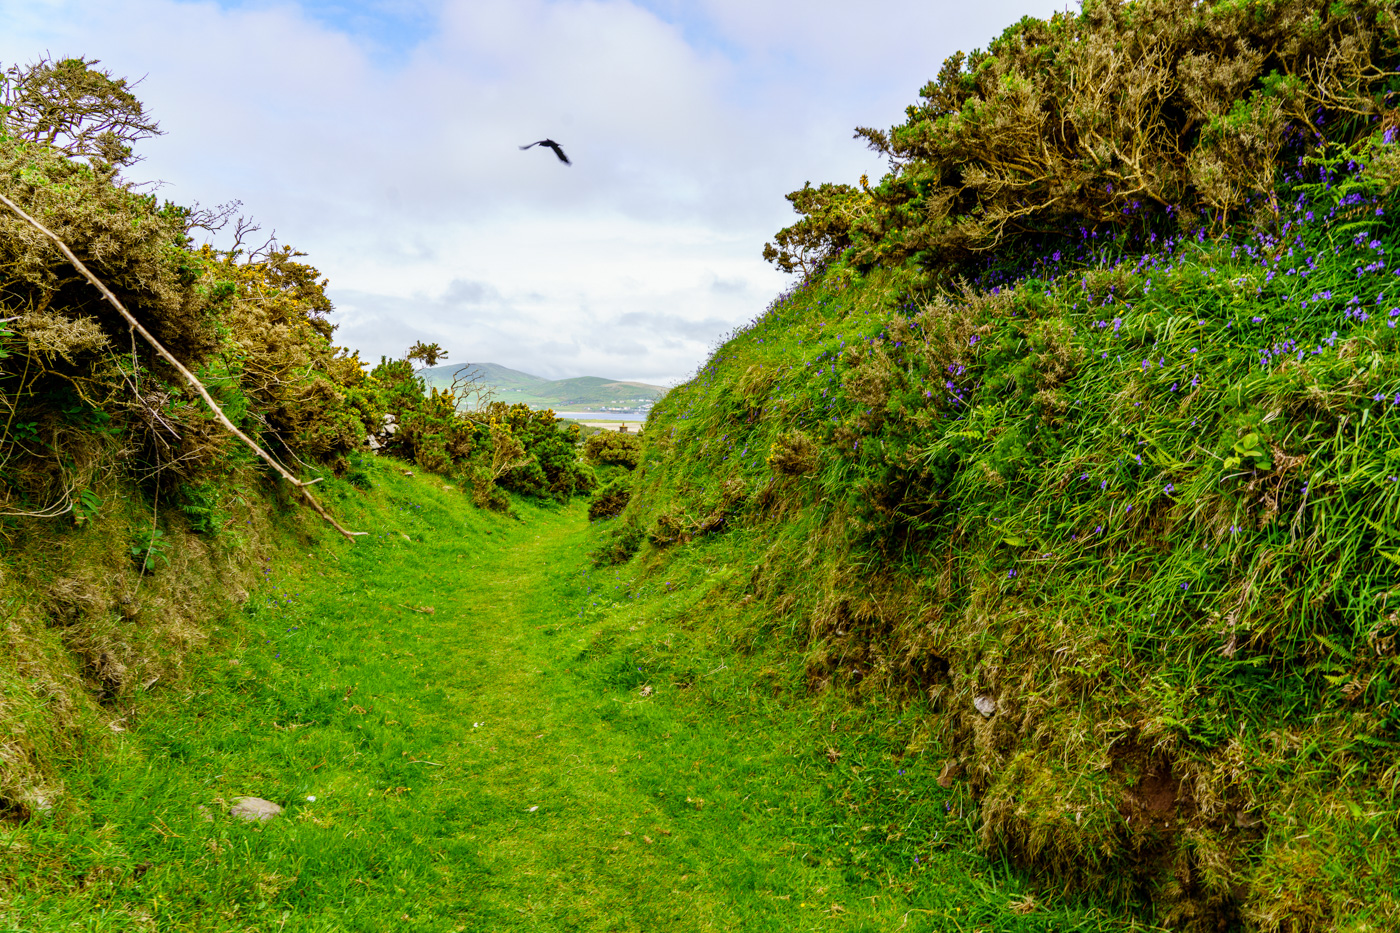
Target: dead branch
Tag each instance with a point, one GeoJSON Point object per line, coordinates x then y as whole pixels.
{"type": "Point", "coordinates": [189, 376]}
{"type": "Point", "coordinates": [211, 219]}
{"type": "Point", "coordinates": [470, 389]}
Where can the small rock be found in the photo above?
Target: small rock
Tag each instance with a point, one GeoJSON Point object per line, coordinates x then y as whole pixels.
{"type": "Point", "coordinates": [253, 809]}
{"type": "Point", "coordinates": [985, 704]}
{"type": "Point", "coordinates": [39, 801]}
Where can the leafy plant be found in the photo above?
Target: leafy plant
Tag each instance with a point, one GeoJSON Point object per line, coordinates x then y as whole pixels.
{"type": "Point", "coordinates": [86, 507]}
{"type": "Point", "coordinates": [1020, 476]}
{"type": "Point", "coordinates": [611, 499]}
{"type": "Point", "coordinates": [620, 542]}
{"type": "Point", "coordinates": [1125, 119]}
{"type": "Point", "coordinates": [200, 504]}
{"type": "Point", "coordinates": [1250, 447]}
{"type": "Point", "coordinates": [149, 548]}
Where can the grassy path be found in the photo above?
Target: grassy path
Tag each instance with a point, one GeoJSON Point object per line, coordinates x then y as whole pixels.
{"type": "Point", "coordinates": [472, 730]}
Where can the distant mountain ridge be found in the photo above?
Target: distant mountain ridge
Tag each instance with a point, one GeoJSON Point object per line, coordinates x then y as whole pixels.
{"type": "Point", "coordinates": [581, 393]}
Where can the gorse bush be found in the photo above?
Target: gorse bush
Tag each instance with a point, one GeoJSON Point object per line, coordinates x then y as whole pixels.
{"type": "Point", "coordinates": [253, 326]}
{"type": "Point", "coordinates": [552, 468]}
{"type": "Point", "coordinates": [612, 448]}
{"type": "Point", "coordinates": [611, 498]}
{"type": "Point", "coordinates": [253, 329]}
{"type": "Point", "coordinates": [1122, 119]}
{"type": "Point", "coordinates": [494, 447]}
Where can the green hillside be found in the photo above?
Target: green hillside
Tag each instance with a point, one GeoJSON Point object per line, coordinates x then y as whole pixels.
{"type": "Point", "coordinates": [582, 393]}
{"type": "Point", "coordinates": [1092, 448]}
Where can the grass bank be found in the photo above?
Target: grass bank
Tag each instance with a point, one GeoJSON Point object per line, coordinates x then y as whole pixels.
{"type": "Point", "coordinates": [1122, 518]}
{"type": "Point", "coordinates": [471, 728]}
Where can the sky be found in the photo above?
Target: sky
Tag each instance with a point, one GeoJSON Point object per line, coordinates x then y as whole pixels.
{"type": "Point", "coordinates": [381, 138]}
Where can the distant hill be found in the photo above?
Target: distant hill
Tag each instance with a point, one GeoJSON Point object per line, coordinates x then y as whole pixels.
{"type": "Point", "coordinates": [582, 393]}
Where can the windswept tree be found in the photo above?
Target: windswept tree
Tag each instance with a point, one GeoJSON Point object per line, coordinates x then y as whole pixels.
{"type": "Point", "coordinates": [75, 108]}
{"type": "Point", "coordinates": [427, 354]}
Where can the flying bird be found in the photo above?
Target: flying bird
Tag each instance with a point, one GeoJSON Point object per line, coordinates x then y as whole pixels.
{"type": "Point", "coordinates": [553, 145]}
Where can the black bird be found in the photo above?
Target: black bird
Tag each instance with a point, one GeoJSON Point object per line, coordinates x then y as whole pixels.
{"type": "Point", "coordinates": [553, 145]}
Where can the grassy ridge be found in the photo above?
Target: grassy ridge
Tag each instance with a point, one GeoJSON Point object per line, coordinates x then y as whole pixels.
{"type": "Point", "coordinates": [1124, 521]}
{"type": "Point", "coordinates": [551, 747]}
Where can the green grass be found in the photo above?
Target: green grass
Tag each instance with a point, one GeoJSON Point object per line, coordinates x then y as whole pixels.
{"type": "Point", "coordinates": [552, 747]}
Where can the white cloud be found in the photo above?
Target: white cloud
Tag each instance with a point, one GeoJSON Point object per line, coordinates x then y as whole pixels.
{"type": "Point", "coordinates": [390, 156]}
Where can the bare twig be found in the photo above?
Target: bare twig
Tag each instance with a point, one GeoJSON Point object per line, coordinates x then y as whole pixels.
{"type": "Point", "coordinates": [470, 384]}
{"type": "Point", "coordinates": [211, 219]}
{"type": "Point", "coordinates": [189, 376]}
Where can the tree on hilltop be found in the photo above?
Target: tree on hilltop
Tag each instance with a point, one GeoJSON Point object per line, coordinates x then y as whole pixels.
{"type": "Point", "coordinates": [74, 108]}
{"type": "Point", "coordinates": [428, 354]}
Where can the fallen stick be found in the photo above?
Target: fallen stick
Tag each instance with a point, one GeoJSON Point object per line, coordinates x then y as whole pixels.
{"type": "Point", "coordinates": [189, 376]}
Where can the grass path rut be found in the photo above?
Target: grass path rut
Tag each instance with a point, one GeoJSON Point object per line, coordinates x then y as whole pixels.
{"type": "Point", "coordinates": [471, 729]}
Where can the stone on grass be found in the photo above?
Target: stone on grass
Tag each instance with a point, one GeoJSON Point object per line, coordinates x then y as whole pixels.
{"type": "Point", "coordinates": [253, 809]}
{"type": "Point", "coordinates": [985, 704]}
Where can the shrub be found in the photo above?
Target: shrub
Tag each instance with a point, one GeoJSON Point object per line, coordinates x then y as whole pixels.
{"type": "Point", "coordinates": [553, 448]}
{"type": "Point", "coordinates": [611, 499]}
{"type": "Point", "coordinates": [793, 454]}
{"type": "Point", "coordinates": [613, 448]}
{"type": "Point", "coordinates": [1125, 117]}
{"type": "Point", "coordinates": [667, 528]}
{"type": "Point", "coordinates": [621, 541]}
